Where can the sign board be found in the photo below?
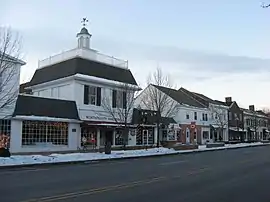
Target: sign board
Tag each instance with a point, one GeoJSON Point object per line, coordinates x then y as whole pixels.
{"type": "Point", "coordinates": [91, 115]}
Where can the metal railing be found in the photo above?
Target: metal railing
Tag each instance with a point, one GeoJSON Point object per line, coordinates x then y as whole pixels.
{"type": "Point", "coordinates": [83, 53]}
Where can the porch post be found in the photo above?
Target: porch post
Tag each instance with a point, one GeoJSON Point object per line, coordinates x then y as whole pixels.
{"type": "Point", "coordinates": [98, 138]}
{"type": "Point", "coordinates": [16, 136]}
{"type": "Point", "coordinates": [113, 137]}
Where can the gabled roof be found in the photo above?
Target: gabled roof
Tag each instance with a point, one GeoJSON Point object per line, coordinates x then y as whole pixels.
{"type": "Point", "coordinates": [256, 113]}
{"type": "Point", "coordinates": [12, 59]}
{"type": "Point", "coordinates": [202, 98]}
{"type": "Point", "coordinates": [82, 66]}
{"type": "Point", "coordinates": [223, 103]}
{"type": "Point", "coordinates": [45, 107]}
{"type": "Point", "coordinates": [180, 96]}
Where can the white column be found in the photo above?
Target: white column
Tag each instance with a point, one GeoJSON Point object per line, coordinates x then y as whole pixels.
{"type": "Point", "coordinates": [74, 134]}
{"type": "Point", "coordinates": [98, 138]}
{"type": "Point", "coordinates": [155, 135]}
{"type": "Point", "coordinates": [16, 136]}
{"type": "Point", "coordinates": [113, 137]}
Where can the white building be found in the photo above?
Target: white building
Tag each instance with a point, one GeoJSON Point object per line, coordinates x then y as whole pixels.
{"type": "Point", "coordinates": [191, 115]}
{"type": "Point", "coordinates": [9, 83]}
{"type": "Point", "coordinates": [255, 124]}
{"type": "Point", "coordinates": [201, 119]}
{"type": "Point", "coordinates": [101, 86]}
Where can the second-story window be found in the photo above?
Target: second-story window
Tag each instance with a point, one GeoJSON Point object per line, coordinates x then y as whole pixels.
{"type": "Point", "coordinates": [187, 116]}
{"type": "Point", "coordinates": [248, 122]}
{"type": "Point", "coordinates": [195, 115]}
{"type": "Point", "coordinates": [119, 99]}
{"type": "Point", "coordinates": [204, 117]}
{"type": "Point", "coordinates": [92, 95]}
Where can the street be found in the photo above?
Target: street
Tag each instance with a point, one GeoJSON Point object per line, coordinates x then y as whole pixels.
{"type": "Point", "coordinates": [226, 175]}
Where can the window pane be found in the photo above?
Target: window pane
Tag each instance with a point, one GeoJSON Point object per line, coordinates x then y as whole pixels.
{"type": "Point", "coordinates": [92, 100]}
{"type": "Point", "coordinates": [119, 138]}
{"type": "Point", "coordinates": [92, 90]}
{"type": "Point", "coordinates": [41, 132]}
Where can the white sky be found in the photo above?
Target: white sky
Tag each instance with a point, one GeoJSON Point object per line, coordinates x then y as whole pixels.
{"type": "Point", "coordinates": [219, 49]}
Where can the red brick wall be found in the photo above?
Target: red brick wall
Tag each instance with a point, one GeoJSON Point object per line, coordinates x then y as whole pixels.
{"type": "Point", "coordinates": [192, 130]}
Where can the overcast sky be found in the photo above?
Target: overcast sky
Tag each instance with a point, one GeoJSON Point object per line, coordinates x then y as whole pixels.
{"type": "Point", "coordinates": [216, 47]}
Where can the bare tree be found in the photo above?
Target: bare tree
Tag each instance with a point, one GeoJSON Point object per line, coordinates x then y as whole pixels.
{"type": "Point", "coordinates": [10, 49]}
{"type": "Point", "coordinates": [220, 119]}
{"type": "Point", "coordinates": [155, 99]}
{"type": "Point", "coordinates": [120, 107]}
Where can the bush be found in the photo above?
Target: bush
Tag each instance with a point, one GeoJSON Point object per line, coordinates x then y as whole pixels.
{"type": "Point", "coordinates": [4, 152]}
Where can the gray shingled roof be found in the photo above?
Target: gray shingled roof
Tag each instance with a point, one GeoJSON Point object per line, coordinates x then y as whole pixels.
{"type": "Point", "coordinates": [180, 96]}
{"type": "Point", "coordinates": [82, 66]}
{"type": "Point", "coordinates": [136, 117]}
{"type": "Point", "coordinates": [203, 99]}
{"type": "Point", "coordinates": [45, 107]}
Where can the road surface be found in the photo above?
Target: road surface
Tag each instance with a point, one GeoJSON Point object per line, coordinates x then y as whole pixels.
{"type": "Point", "coordinates": [227, 175]}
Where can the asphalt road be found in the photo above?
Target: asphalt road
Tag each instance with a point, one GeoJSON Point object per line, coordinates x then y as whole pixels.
{"type": "Point", "coordinates": [220, 176]}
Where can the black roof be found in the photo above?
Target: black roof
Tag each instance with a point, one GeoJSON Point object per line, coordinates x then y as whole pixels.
{"type": "Point", "coordinates": [151, 119]}
{"type": "Point", "coordinates": [82, 66]}
{"type": "Point", "coordinates": [23, 88]}
{"type": "Point", "coordinates": [180, 96]}
{"type": "Point", "coordinates": [38, 106]}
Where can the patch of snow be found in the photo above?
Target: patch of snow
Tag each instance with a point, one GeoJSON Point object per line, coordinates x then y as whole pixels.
{"type": "Point", "coordinates": [45, 118]}
{"type": "Point", "coordinates": [56, 158]}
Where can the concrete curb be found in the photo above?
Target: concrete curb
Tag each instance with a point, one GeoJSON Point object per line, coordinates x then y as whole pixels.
{"type": "Point", "coordinates": [37, 165]}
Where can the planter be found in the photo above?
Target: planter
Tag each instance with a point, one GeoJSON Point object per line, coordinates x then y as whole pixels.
{"type": "Point", "coordinates": [265, 141]}
{"type": "Point", "coordinates": [4, 152]}
{"type": "Point", "coordinates": [185, 146]}
{"type": "Point", "coordinates": [215, 144]}
{"type": "Point", "coordinates": [168, 144]}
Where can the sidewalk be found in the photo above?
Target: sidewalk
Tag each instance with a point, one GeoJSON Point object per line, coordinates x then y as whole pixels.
{"type": "Point", "coordinates": [56, 159]}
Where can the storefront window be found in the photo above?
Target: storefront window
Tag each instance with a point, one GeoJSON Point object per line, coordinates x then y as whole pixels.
{"type": "Point", "coordinates": [5, 129]}
{"type": "Point", "coordinates": [145, 137]}
{"type": "Point", "coordinates": [164, 134]}
{"type": "Point", "coordinates": [90, 134]}
{"type": "Point", "coordinates": [171, 135]}
{"type": "Point", "coordinates": [119, 137]}
{"type": "Point", "coordinates": [43, 132]}
{"type": "Point", "coordinates": [150, 137]}
{"type": "Point", "coordinates": [205, 135]}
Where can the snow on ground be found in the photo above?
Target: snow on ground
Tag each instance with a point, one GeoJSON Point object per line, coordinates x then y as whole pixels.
{"type": "Point", "coordinates": [56, 158]}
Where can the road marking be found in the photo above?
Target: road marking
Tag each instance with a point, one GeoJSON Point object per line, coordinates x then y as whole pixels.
{"type": "Point", "coordinates": [97, 190]}
{"type": "Point", "coordinates": [171, 163]}
{"type": "Point", "coordinates": [112, 188]}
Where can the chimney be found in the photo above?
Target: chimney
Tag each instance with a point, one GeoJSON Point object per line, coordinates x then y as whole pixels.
{"type": "Point", "coordinates": [251, 107]}
{"type": "Point", "coordinates": [228, 99]}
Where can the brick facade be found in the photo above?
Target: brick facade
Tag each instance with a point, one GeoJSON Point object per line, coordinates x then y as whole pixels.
{"type": "Point", "coordinates": [195, 133]}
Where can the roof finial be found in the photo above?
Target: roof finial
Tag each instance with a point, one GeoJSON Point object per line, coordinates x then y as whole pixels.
{"type": "Point", "coordinates": [84, 21]}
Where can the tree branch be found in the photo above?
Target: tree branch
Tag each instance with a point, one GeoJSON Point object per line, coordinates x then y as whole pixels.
{"type": "Point", "coordinates": [155, 99]}
{"type": "Point", "coordinates": [10, 51]}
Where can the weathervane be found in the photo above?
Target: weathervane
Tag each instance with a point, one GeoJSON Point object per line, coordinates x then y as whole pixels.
{"type": "Point", "coordinates": [84, 21]}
